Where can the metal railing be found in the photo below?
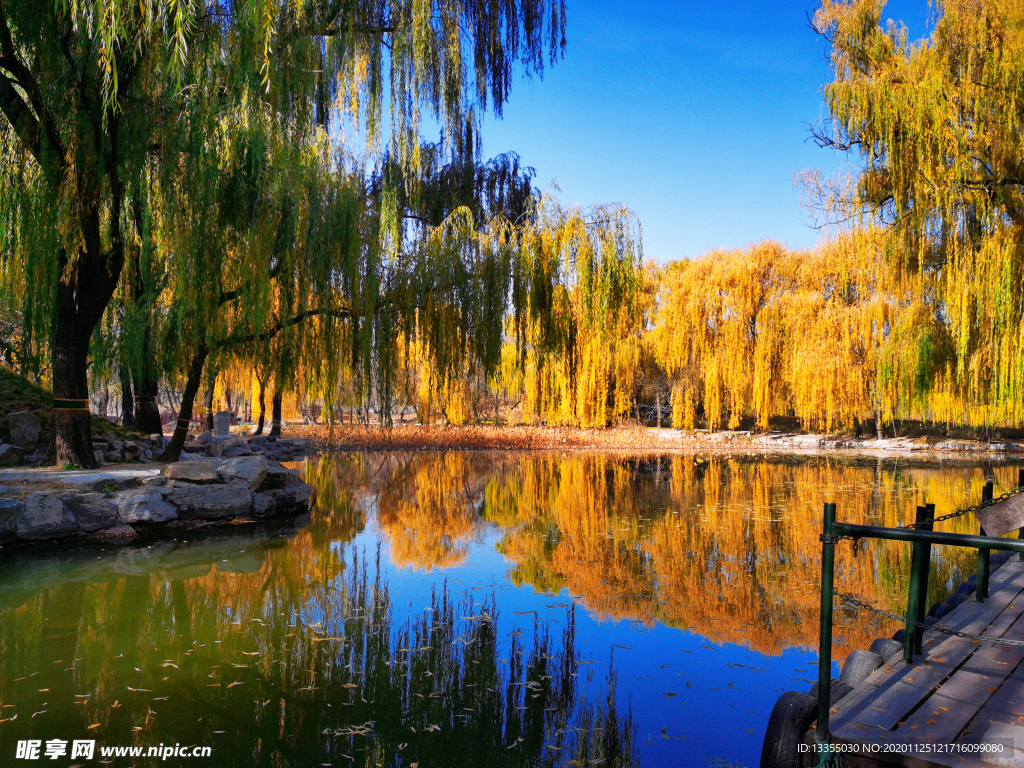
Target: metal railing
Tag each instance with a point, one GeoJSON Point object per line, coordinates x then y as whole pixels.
{"type": "Point", "coordinates": [921, 537]}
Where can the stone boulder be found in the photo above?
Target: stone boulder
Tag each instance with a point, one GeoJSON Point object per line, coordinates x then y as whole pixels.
{"type": "Point", "coordinates": [192, 472]}
{"type": "Point", "coordinates": [44, 516]}
{"type": "Point", "coordinates": [271, 502]}
{"type": "Point", "coordinates": [249, 469]}
{"type": "Point", "coordinates": [144, 506]}
{"type": "Point", "coordinates": [118, 532]}
{"type": "Point", "coordinates": [10, 455]}
{"type": "Point", "coordinates": [10, 509]}
{"type": "Point", "coordinates": [24, 427]}
{"type": "Point", "coordinates": [90, 511]}
{"type": "Point", "coordinates": [211, 502]}
{"type": "Point", "coordinates": [279, 477]}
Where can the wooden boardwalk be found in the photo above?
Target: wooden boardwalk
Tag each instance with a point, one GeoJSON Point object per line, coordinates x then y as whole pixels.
{"type": "Point", "coordinates": [957, 691]}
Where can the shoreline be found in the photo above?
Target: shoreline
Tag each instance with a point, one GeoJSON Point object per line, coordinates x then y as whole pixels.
{"type": "Point", "coordinates": [643, 439]}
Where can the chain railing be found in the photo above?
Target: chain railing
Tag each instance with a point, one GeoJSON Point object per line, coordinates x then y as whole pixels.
{"type": "Point", "coordinates": [921, 536]}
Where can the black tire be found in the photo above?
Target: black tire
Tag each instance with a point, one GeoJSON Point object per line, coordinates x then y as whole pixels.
{"type": "Point", "coordinates": [1000, 558]}
{"type": "Point", "coordinates": [967, 588]}
{"type": "Point", "coordinates": [836, 690]}
{"type": "Point", "coordinates": [938, 610]}
{"type": "Point", "coordinates": [929, 620]}
{"type": "Point", "coordinates": [899, 635]}
{"type": "Point", "coordinates": [973, 579]}
{"type": "Point", "coordinates": [956, 598]}
{"type": "Point", "coordinates": [886, 648]}
{"type": "Point", "coordinates": [790, 718]}
{"type": "Point", "coordinates": [859, 666]}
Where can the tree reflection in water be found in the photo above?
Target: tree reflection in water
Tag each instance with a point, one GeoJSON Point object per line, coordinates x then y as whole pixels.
{"type": "Point", "coordinates": [273, 669]}
{"type": "Point", "coordinates": [725, 546]}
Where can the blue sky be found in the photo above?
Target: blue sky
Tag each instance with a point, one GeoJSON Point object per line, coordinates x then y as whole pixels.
{"type": "Point", "coordinates": [692, 114]}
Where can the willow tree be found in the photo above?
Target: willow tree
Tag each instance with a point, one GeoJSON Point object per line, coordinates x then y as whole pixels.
{"type": "Point", "coordinates": [580, 326]}
{"type": "Point", "coordinates": [90, 88]}
{"type": "Point", "coordinates": [938, 125]}
{"type": "Point", "coordinates": [834, 335]}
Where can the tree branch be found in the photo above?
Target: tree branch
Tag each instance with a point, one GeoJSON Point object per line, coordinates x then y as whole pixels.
{"type": "Point", "coordinates": [271, 332]}
{"type": "Point", "coordinates": [9, 60]}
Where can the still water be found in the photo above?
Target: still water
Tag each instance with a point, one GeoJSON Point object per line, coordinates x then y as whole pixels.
{"type": "Point", "coordinates": [466, 609]}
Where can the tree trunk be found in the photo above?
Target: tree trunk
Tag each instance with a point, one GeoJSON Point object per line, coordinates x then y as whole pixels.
{"type": "Point", "coordinates": [275, 424]}
{"type": "Point", "coordinates": [79, 306]}
{"type": "Point", "coordinates": [263, 405]}
{"type": "Point", "coordinates": [195, 377]}
{"type": "Point", "coordinates": [127, 402]}
{"type": "Point", "coordinates": [147, 410]}
{"type": "Point", "coordinates": [208, 403]}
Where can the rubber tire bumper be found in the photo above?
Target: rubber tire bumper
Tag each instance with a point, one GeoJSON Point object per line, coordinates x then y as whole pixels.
{"type": "Point", "coordinates": [859, 666]}
{"type": "Point", "coordinates": [886, 648]}
{"type": "Point", "coordinates": [789, 721]}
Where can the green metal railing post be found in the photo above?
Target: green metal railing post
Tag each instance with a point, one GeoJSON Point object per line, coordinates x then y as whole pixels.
{"type": "Point", "coordinates": [925, 564]}
{"type": "Point", "coordinates": [912, 633]}
{"type": "Point", "coordinates": [984, 555]}
{"type": "Point", "coordinates": [828, 567]}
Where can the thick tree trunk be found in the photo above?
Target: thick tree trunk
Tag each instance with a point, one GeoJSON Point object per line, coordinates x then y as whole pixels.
{"type": "Point", "coordinates": [208, 404]}
{"type": "Point", "coordinates": [127, 401]}
{"type": "Point", "coordinates": [78, 309]}
{"type": "Point", "coordinates": [275, 424]}
{"type": "Point", "coordinates": [195, 377]}
{"type": "Point", "coordinates": [263, 405]}
{"type": "Point", "coordinates": [147, 410]}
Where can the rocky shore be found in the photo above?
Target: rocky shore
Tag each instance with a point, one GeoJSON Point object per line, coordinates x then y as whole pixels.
{"type": "Point", "coordinates": [37, 504]}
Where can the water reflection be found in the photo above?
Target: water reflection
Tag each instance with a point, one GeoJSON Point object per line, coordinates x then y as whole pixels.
{"type": "Point", "coordinates": [297, 663]}
{"type": "Point", "coordinates": [285, 644]}
{"type": "Point", "coordinates": [727, 547]}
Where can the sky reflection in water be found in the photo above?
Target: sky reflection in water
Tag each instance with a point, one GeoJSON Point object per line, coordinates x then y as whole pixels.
{"type": "Point", "coordinates": [466, 609]}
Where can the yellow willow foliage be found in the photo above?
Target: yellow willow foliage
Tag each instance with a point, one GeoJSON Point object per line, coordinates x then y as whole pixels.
{"type": "Point", "coordinates": [936, 124]}
{"type": "Point", "coordinates": [583, 356]}
{"type": "Point", "coordinates": [428, 392]}
{"type": "Point", "coordinates": [829, 335]}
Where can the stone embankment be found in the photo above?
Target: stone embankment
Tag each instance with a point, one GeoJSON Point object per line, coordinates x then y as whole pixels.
{"type": "Point", "coordinates": [37, 505]}
{"type": "Point", "coordinates": [799, 442]}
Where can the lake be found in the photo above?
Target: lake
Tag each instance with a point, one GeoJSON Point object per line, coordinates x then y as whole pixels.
{"type": "Point", "coordinates": [467, 609]}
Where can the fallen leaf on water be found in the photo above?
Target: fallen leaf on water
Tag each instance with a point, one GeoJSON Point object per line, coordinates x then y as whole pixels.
{"type": "Point", "coordinates": [93, 727]}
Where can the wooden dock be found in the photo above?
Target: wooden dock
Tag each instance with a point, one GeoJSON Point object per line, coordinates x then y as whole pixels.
{"type": "Point", "coordinates": [958, 691]}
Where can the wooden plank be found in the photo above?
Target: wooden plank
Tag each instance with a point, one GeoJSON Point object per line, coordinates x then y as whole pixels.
{"type": "Point", "coordinates": [909, 685]}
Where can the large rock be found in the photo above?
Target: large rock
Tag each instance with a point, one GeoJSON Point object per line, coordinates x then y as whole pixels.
{"type": "Point", "coordinates": [144, 506]}
{"type": "Point", "coordinates": [24, 427]}
{"type": "Point", "coordinates": [192, 471]}
{"type": "Point", "coordinates": [211, 502]}
{"type": "Point", "coordinates": [249, 469]}
{"type": "Point", "coordinates": [10, 455]}
{"type": "Point", "coordinates": [272, 502]}
{"type": "Point", "coordinates": [279, 477]}
{"type": "Point", "coordinates": [222, 423]}
{"type": "Point", "coordinates": [10, 509]}
{"type": "Point", "coordinates": [44, 516]}
{"type": "Point", "coordinates": [90, 511]}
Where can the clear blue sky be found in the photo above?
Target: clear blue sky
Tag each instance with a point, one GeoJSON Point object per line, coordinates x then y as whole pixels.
{"type": "Point", "coordinates": [693, 114]}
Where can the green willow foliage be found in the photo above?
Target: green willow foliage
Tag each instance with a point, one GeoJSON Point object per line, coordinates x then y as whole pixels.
{"type": "Point", "coordinates": [115, 110]}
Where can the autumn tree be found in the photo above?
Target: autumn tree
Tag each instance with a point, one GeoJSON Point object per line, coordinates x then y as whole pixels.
{"type": "Point", "coordinates": [937, 125]}
{"type": "Point", "coordinates": [89, 91]}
